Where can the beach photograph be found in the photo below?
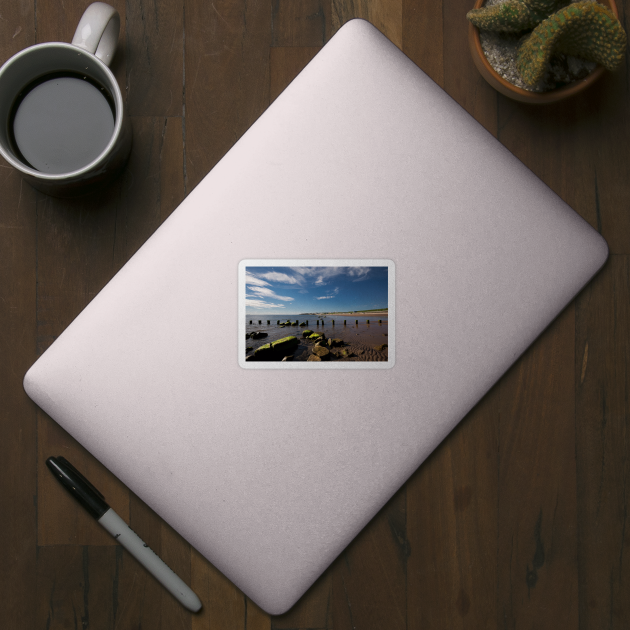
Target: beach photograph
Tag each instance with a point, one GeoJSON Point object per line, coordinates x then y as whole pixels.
{"type": "Point", "coordinates": [316, 313]}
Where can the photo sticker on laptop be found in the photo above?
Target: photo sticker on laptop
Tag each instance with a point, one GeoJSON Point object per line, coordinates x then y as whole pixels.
{"type": "Point", "coordinates": [316, 314]}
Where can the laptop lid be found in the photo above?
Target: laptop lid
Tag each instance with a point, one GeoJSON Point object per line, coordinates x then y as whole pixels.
{"type": "Point", "coordinates": [270, 468]}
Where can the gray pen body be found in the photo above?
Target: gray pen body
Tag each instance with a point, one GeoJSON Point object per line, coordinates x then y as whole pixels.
{"type": "Point", "coordinates": [149, 559]}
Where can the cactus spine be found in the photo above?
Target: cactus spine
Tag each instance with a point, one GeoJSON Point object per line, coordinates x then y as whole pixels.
{"type": "Point", "coordinates": [583, 29]}
{"type": "Point", "coordinates": [513, 16]}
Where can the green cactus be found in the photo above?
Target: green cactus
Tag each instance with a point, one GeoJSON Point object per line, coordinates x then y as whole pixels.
{"type": "Point", "coordinates": [513, 16]}
{"type": "Point", "coordinates": [583, 29]}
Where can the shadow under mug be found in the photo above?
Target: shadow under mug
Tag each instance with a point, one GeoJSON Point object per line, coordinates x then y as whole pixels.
{"type": "Point", "coordinates": [88, 56]}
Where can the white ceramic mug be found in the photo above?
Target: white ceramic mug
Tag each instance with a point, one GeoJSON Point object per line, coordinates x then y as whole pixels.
{"type": "Point", "coordinates": [88, 57]}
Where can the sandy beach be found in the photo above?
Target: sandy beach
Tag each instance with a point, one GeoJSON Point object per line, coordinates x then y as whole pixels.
{"type": "Point", "coordinates": [353, 341]}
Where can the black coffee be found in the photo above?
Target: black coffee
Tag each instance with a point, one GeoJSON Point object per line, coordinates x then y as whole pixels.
{"type": "Point", "coordinates": [61, 123]}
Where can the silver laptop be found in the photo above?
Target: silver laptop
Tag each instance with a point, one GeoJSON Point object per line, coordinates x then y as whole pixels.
{"type": "Point", "coordinates": [362, 169]}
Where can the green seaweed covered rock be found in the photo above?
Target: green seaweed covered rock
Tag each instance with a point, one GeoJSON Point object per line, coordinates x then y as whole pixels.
{"type": "Point", "coordinates": [583, 29]}
{"type": "Point", "coordinates": [314, 336]}
{"type": "Point", "coordinates": [307, 333]}
{"type": "Point", "coordinates": [286, 345]}
{"type": "Point", "coordinates": [513, 16]}
{"type": "Point", "coordinates": [264, 352]}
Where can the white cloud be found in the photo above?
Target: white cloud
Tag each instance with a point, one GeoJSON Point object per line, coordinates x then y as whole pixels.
{"type": "Point", "coordinates": [331, 294]}
{"type": "Point", "coordinates": [255, 304]}
{"type": "Point", "coordinates": [253, 280]}
{"type": "Point", "coordinates": [264, 291]}
{"type": "Point", "coordinates": [322, 275]}
{"type": "Point", "coordinates": [358, 273]}
{"type": "Point", "coordinates": [275, 276]}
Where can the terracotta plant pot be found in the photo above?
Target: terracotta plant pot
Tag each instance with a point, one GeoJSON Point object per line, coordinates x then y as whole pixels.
{"type": "Point", "coordinates": [519, 94]}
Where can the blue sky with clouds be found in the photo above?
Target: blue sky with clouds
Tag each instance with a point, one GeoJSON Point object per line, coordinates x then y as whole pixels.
{"type": "Point", "coordinates": [297, 290]}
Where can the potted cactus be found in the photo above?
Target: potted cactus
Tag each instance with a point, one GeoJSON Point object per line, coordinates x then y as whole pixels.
{"type": "Point", "coordinates": [558, 49]}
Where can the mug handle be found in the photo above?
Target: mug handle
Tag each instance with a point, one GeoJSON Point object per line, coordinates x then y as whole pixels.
{"type": "Point", "coordinates": [98, 30]}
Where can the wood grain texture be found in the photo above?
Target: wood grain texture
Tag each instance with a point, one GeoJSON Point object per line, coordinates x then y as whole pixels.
{"type": "Point", "coordinates": [537, 510]}
{"type": "Point", "coordinates": [452, 515]}
{"type": "Point", "coordinates": [76, 587]}
{"type": "Point", "coordinates": [226, 78]}
{"type": "Point", "coordinates": [18, 416]}
{"type": "Point", "coordinates": [422, 36]}
{"type": "Point", "coordinates": [154, 57]}
{"type": "Point", "coordinates": [518, 520]}
{"type": "Point", "coordinates": [602, 381]}
{"type": "Point", "coordinates": [300, 22]}
{"type": "Point", "coordinates": [369, 577]}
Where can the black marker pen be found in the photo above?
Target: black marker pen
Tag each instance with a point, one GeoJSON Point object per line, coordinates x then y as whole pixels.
{"type": "Point", "coordinates": [94, 502]}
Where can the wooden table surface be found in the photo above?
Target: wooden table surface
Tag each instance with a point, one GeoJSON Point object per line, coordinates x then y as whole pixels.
{"type": "Point", "coordinates": [518, 520]}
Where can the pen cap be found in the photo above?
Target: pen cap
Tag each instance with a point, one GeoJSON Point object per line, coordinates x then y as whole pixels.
{"type": "Point", "coordinates": [78, 486]}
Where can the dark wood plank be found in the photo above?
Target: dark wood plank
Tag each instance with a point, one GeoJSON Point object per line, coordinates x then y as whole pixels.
{"type": "Point", "coordinates": [608, 126]}
{"type": "Point", "coordinates": [537, 537]}
{"type": "Point", "coordinates": [76, 587]}
{"type": "Point", "coordinates": [386, 15]}
{"type": "Point", "coordinates": [369, 577]}
{"type": "Point", "coordinates": [17, 28]}
{"type": "Point", "coordinates": [452, 527]}
{"type": "Point", "coordinates": [18, 416]}
{"type": "Point", "coordinates": [226, 78]}
{"type": "Point", "coordinates": [154, 57]}
{"type": "Point", "coordinates": [18, 420]}
{"type": "Point", "coordinates": [422, 36]}
{"type": "Point", "coordinates": [300, 22]}
{"type": "Point", "coordinates": [603, 443]}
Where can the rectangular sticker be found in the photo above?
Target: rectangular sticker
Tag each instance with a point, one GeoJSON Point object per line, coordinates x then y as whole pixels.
{"type": "Point", "coordinates": [316, 314]}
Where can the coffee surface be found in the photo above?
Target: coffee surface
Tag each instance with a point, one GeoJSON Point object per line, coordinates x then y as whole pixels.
{"type": "Point", "coordinates": [62, 124]}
